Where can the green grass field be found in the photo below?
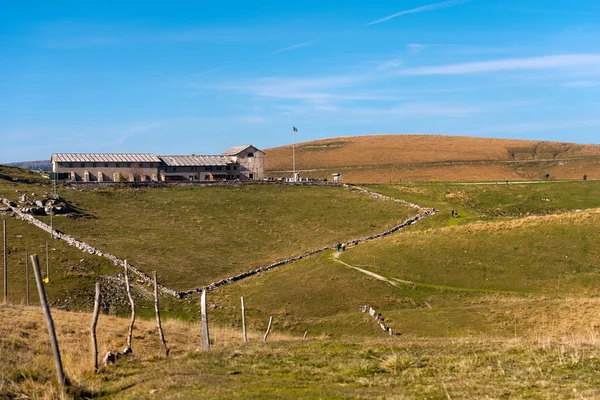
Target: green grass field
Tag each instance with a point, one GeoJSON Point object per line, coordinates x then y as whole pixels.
{"type": "Point", "coordinates": [500, 302]}
{"type": "Point", "coordinates": [197, 235]}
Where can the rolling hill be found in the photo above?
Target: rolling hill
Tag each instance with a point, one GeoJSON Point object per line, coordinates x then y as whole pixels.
{"type": "Point", "coordinates": [396, 158]}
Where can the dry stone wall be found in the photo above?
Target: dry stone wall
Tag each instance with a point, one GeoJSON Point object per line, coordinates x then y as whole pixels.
{"type": "Point", "coordinates": [19, 214]}
{"type": "Point", "coordinates": [379, 319]}
{"type": "Point", "coordinates": [404, 224]}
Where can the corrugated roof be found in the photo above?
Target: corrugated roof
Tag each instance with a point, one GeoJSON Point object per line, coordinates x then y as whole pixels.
{"type": "Point", "coordinates": [105, 157]}
{"type": "Point", "coordinates": [234, 151]}
{"type": "Point", "coordinates": [195, 161]}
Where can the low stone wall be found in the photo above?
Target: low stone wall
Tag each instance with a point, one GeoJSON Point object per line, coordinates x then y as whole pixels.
{"type": "Point", "coordinates": [380, 196]}
{"type": "Point", "coordinates": [243, 275]}
{"type": "Point", "coordinates": [92, 250]}
{"type": "Point", "coordinates": [379, 319]}
{"type": "Point", "coordinates": [153, 184]}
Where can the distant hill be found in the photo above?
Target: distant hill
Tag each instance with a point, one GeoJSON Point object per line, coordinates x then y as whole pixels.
{"type": "Point", "coordinates": [43, 165]}
{"type": "Point", "coordinates": [384, 158]}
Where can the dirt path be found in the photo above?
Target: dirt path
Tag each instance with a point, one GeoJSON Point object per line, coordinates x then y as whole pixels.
{"type": "Point", "coordinates": [395, 281]}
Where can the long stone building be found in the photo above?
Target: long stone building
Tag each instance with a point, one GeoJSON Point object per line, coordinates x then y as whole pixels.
{"type": "Point", "coordinates": [237, 163]}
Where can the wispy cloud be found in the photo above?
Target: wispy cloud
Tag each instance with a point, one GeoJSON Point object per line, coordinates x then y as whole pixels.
{"type": "Point", "coordinates": [211, 71]}
{"type": "Point", "coordinates": [430, 7]}
{"type": "Point", "coordinates": [530, 63]}
{"type": "Point", "coordinates": [135, 130]}
{"type": "Point", "coordinates": [293, 47]}
{"type": "Point", "coordinates": [581, 84]}
{"type": "Point", "coordinates": [317, 90]}
{"type": "Point", "coordinates": [390, 64]}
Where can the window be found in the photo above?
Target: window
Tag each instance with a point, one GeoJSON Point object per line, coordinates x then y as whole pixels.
{"type": "Point", "coordinates": [218, 168]}
{"type": "Point", "coordinates": [234, 167]}
{"type": "Point", "coordinates": [94, 165]}
{"type": "Point", "coordinates": [141, 165]}
{"type": "Point", "coordinates": [251, 176]}
{"type": "Point", "coordinates": [227, 168]}
{"type": "Point", "coordinates": [117, 165]}
{"type": "Point", "coordinates": [105, 165]}
{"type": "Point", "coordinates": [128, 165]}
{"type": "Point", "coordinates": [82, 165]}
{"type": "Point", "coordinates": [250, 155]}
{"type": "Point", "coordinates": [70, 165]}
{"type": "Point", "coordinates": [209, 168]}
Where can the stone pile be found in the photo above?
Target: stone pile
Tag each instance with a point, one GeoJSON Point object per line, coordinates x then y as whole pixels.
{"type": "Point", "coordinates": [46, 206]}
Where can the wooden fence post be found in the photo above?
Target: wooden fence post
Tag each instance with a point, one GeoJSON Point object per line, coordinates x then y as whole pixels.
{"type": "Point", "coordinates": [5, 266]}
{"type": "Point", "coordinates": [158, 324]}
{"type": "Point", "coordinates": [48, 317]}
{"type": "Point", "coordinates": [27, 278]}
{"type": "Point", "coordinates": [93, 327]}
{"type": "Point", "coordinates": [268, 329]}
{"type": "Point", "coordinates": [244, 321]}
{"type": "Point", "coordinates": [130, 334]}
{"type": "Point", "coordinates": [205, 334]}
{"type": "Point", "coordinates": [47, 263]}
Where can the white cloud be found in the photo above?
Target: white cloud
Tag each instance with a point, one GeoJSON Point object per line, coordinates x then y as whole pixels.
{"type": "Point", "coordinates": [531, 63]}
{"type": "Point", "coordinates": [430, 7]}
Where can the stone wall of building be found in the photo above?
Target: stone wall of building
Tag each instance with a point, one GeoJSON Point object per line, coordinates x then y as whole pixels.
{"type": "Point", "coordinates": [87, 172]}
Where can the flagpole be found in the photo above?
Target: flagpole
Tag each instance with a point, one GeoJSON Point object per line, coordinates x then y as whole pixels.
{"type": "Point", "coordinates": [294, 155]}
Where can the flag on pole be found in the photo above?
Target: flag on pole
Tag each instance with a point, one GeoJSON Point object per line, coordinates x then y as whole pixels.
{"type": "Point", "coordinates": [295, 129]}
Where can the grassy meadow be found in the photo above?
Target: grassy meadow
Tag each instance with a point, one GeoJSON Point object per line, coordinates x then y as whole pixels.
{"type": "Point", "coordinates": [193, 236]}
{"type": "Point", "coordinates": [287, 367]}
{"type": "Point", "coordinates": [500, 302]}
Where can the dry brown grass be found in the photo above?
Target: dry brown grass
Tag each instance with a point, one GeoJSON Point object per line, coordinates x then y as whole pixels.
{"type": "Point", "coordinates": [552, 361]}
{"type": "Point", "coordinates": [27, 367]}
{"type": "Point", "coordinates": [591, 215]}
{"type": "Point", "coordinates": [384, 158]}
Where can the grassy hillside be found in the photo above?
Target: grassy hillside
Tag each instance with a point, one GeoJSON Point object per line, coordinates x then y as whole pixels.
{"type": "Point", "coordinates": [454, 281]}
{"type": "Point", "coordinates": [476, 367]}
{"type": "Point", "coordinates": [395, 158]}
{"type": "Point", "coordinates": [501, 301]}
{"type": "Point", "coordinates": [197, 235]}
{"type": "Point", "coordinates": [506, 251]}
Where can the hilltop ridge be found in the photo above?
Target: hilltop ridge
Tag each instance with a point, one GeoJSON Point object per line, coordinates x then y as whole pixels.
{"type": "Point", "coordinates": [419, 157]}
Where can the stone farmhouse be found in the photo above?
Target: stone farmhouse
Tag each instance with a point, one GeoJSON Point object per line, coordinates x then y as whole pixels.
{"type": "Point", "coordinates": [238, 163]}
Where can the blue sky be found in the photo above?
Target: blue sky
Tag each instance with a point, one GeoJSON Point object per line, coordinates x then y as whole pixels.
{"type": "Point", "coordinates": [182, 77]}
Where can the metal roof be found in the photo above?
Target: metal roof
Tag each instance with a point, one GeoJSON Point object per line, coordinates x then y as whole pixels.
{"type": "Point", "coordinates": [234, 151]}
{"type": "Point", "coordinates": [195, 161]}
{"type": "Point", "coordinates": [105, 157]}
